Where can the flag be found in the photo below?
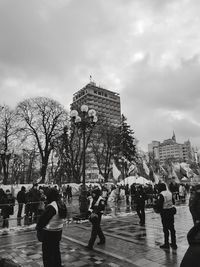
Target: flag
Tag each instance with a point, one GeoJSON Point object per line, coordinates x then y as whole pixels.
{"type": "Point", "coordinates": [153, 177]}
{"type": "Point", "coordinates": [174, 175]}
{"type": "Point", "coordinates": [183, 170]}
{"type": "Point", "coordinates": [156, 178]}
{"type": "Point", "coordinates": [163, 171]}
{"type": "Point", "coordinates": [39, 180]}
{"type": "Point", "coordinates": [131, 169]}
{"type": "Point", "coordinates": [146, 168]}
{"type": "Point", "coordinates": [116, 172]}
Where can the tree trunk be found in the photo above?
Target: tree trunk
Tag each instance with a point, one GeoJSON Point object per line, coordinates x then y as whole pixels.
{"type": "Point", "coordinates": [43, 171]}
{"type": "Point", "coordinates": [5, 175]}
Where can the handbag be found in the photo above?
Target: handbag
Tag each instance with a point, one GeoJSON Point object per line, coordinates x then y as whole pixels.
{"type": "Point", "coordinates": [93, 217]}
{"type": "Point", "coordinates": [173, 210]}
{"type": "Point", "coordinates": [62, 209]}
{"type": "Point", "coordinates": [40, 235]}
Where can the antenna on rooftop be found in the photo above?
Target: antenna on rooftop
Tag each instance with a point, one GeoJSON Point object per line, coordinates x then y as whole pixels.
{"type": "Point", "coordinates": [92, 81]}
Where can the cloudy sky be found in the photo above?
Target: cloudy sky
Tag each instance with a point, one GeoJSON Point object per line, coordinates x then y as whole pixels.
{"type": "Point", "coordinates": [146, 50]}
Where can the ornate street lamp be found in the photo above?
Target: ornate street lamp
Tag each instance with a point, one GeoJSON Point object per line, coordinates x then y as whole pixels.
{"type": "Point", "coordinates": [84, 120]}
{"type": "Point", "coordinates": [5, 158]}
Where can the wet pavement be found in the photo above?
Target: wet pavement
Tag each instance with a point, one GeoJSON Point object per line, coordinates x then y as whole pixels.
{"type": "Point", "coordinates": [127, 243]}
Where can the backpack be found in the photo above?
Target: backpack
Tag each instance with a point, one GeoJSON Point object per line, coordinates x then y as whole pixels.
{"type": "Point", "coordinates": [62, 209]}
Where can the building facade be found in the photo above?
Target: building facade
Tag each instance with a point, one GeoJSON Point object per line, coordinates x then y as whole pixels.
{"type": "Point", "coordinates": [105, 102]}
{"type": "Point", "coordinates": [170, 149]}
{"type": "Point", "coordinates": [108, 110]}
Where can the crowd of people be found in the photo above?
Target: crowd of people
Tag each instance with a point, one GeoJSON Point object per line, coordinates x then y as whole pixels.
{"type": "Point", "coordinates": [32, 202]}
{"type": "Point", "coordinates": [41, 206]}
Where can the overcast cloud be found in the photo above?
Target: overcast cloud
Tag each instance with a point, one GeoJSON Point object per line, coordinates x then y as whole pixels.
{"type": "Point", "coordinates": [147, 50]}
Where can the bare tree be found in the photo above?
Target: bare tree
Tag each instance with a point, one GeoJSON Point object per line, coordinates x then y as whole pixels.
{"type": "Point", "coordinates": [103, 148]}
{"type": "Point", "coordinates": [42, 119]}
{"type": "Point", "coordinates": [8, 130]}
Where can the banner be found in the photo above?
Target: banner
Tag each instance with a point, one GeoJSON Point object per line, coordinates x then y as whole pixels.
{"type": "Point", "coordinates": [163, 171]}
{"type": "Point", "coordinates": [131, 169]}
{"type": "Point", "coordinates": [156, 178]}
{"type": "Point", "coordinates": [146, 168]}
{"type": "Point", "coordinates": [116, 172]}
{"type": "Point", "coordinates": [39, 180]}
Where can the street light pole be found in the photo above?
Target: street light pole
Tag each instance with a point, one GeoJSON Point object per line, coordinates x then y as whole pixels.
{"type": "Point", "coordinates": [83, 156]}
{"type": "Point", "coordinates": [84, 120]}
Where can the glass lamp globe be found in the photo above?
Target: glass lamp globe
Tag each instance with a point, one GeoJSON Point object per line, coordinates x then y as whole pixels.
{"type": "Point", "coordinates": [78, 119]}
{"type": "Point", "coordinates": [73, 113]}
{"type": "Point", "coordinates": [95, 119]}
{"type": "Point", "coordinates": [84, 108]}
{"type": "Point", "coordinates": [91, 112]}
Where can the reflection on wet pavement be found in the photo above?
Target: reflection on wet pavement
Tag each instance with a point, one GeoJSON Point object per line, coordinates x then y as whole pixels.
{"type": "Point", "coordinates": [127, 243]}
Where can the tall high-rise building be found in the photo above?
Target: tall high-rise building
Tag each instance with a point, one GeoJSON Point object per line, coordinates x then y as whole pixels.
{"type": "Point", "coordinates": [108, 110]}
{"type": "Point", "coordinates": [171, 149]}
{"type": "Point", "coordinates": [105, 102]}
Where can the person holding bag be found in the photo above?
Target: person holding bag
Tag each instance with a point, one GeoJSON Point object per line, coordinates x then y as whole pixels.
{"type": "Point", "coordinates": [96, 208]}
{"type": "Point", "coordinates": [49, 229]}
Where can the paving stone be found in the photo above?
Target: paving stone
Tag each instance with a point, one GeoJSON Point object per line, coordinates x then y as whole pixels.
{"type": "Point", "coordinates": [113, 264]}
{"type": "Point", "coordinates": [79, 263]}
{"type": "Point", "coordinates": [130, 244]}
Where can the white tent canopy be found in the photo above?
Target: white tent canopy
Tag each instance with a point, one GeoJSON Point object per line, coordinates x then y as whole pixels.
{"type": "Point", "coordinates": [135, 180]}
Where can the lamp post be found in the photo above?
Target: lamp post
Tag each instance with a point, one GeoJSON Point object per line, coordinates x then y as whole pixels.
{"type": "Point", "coordinates": [5, 158]}
{"type": "Point", "coordinates": [84, 120]}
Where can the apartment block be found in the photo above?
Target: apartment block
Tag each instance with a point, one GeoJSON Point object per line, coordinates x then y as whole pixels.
{"type": "Point", "coordinates": [169, 148]}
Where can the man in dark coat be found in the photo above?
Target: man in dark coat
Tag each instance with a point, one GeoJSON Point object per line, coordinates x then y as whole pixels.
{"type": "Point", "coordinates": [139, 200]}
{"type": "Point", "coordinates": [21, 199]}
{"type": "Point", "coordinates": [8, 207]}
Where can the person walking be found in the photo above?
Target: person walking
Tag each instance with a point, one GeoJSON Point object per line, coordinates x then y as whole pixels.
{"type": "Point", "coordinates": [127, 194]}
{"type": "Point", "coordinates": [21, 199]}
{"type": "Point", "coordinates": [96, 208]}
{"type": "Point", "coordinates": [139, 200]}
{"type": "Point", "coordinates": [42, 201]}
{"type": "Point", "coordinates": [164, 205]}
{"type": "Point", "coordinates": [7, 208]}
{"type": "Point", "coordinates": [132, 191]}
{"type": "Point", "coordinates": [49, 229]}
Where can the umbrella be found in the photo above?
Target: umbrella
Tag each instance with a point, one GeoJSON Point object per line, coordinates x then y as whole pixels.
{"type": "Point", "coordinates": [184, 179]}
{"type": "Point", "coordinates": [133, 180]}
{"type": "Point", "coordinates": [142, 180]}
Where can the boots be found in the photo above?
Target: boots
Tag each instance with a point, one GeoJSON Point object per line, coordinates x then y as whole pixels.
{"type": "Point", "coordinates": [165, 245]}
{"type": "Point", "coordinates": [173, 245]}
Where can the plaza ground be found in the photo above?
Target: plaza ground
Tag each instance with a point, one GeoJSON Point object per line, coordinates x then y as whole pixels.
{"type": "Point", "coordinates": [127, 243]}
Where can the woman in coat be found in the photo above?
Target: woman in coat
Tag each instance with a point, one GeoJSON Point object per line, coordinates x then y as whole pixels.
{"type": "Point", "coordinates": [49, 229]}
